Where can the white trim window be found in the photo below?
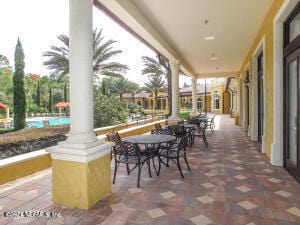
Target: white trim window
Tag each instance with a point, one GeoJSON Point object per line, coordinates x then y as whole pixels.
{"type": "Point", "coordinates": [216, 100]}
{"type": "Point", "coordinates": [200, 103]}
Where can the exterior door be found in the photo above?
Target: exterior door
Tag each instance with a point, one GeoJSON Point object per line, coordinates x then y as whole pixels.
{"type": "Point", "coordinates": [247, 101]}
{"type": "Point", "coordinates": [292, 87]}
{"type": "Point", "coordinates": [291, 53]}
{"type": "Point", "coordinates": [260, 98]}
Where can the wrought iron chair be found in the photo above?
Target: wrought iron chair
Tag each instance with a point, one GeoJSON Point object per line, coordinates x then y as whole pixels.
{"type": "Point", "coordinates": [113, 137]}
{"type": "Point", "coordinates": [200, 132]}
{"type": "Point", "coordinates": [178, 131]}
{"type": "Point", "coordinates": [130, 153]}
{"type": "Point", "coordinates": [175, 152]}
{"type": "Point", "coordinates": [211, 123]}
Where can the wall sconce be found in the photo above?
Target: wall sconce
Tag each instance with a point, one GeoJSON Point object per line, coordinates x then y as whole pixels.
{"type": "Point", "coordinates": [247, 81]}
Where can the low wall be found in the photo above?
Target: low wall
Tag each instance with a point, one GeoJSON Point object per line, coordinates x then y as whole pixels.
{"type": "Point", "coordinates": [22, 165]}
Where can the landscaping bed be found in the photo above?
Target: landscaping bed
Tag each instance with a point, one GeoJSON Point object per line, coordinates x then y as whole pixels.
{"type": "Point", "coordinates": [32, 139]}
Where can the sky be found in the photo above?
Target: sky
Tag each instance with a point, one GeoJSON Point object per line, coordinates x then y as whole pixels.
{"type": "Point", "coordinates": [38, 23]}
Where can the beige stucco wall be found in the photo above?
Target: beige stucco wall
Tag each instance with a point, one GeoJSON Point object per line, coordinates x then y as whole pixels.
{"type": "Point", "coordinates": [266, 30]}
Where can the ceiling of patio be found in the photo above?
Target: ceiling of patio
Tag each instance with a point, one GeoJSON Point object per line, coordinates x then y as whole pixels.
{"type": "Point", "coordinates": [176, 28]}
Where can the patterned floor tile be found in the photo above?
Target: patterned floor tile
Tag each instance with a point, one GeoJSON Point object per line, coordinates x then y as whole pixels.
{"type": "Point", "coordinates": [247, 205]}
{"type": "Point", "coordinates": [168, 194]}
{"type": "Point", "coordinates": [155, 213]}
{"type": "Point", "coordinates": [243, 188]}
{"type": "Point", "coordinates": [283, 193]}
{"type": "Point", "coordinates": [295, 211]}
{"type": "Point", "coordinates": [205, 199]}
{"type": "Point", "coordinates": [208, 185]}
{"type": "Point", "coordinates": [230, 184]}
{"type": "Point", "coordinates": [274, 180]}
{"type": "Point", "coordinates": [201, 220]}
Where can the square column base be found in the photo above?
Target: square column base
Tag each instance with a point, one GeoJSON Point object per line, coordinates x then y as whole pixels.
{"type": "Point", "coordinates": [174, 120]}
{"type": "Point", "coordinates": [81, 184]}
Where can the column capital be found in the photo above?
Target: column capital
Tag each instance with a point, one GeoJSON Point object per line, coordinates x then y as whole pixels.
{"type": "Point", "coordinates": [174, 63]}
{"type": "Point", "coordinates": [194, 80]}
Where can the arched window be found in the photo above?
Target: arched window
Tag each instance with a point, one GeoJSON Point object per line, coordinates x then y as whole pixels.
{"type": "Point", "coordinates": [216, 100]}
{"type": "Point", "coordinates": [200, 103]}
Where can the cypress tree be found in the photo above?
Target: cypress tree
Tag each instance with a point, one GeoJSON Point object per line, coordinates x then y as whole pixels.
{"type": "Point", "coordinates": [19, 91]}
{"type": "Point", "coordinates": [50, 105]}
{"type": "Point", "coordinates": [65, 93]}
{"type": "Point", "coordinates": [38, 95]}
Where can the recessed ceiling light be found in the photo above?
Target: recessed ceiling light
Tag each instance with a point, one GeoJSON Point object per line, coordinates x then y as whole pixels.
{"type": "Point", "coordinates": [213, 57]}
{"type": "Point", "coordinates": [209, 38]}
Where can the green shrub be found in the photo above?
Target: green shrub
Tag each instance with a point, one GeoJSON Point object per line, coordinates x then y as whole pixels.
{"type": "Point", "coordinates": [185, 115]}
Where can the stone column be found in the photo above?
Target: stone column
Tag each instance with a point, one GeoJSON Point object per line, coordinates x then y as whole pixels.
{"type": "Point", "coordinates": [194, 97]}
{"type": "Point", "coordinates": [7, 113]}
{"type": "Point", "coordinates": [81, 164]}
{"type": "Point", "coordinates": [174, 118]}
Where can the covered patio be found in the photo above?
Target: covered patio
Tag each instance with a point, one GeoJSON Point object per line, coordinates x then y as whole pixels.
{"type": "Point", "coordinates": [230, 183]}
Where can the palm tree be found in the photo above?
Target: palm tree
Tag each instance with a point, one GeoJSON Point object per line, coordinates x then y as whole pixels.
{"type": "Point", "coordinates": [121, 85]}
{"type": "Point", "coordinates": [155, 84]}
{"type": "Point", "coordinates": [153, 67]}
{"type": "Point", "coordinates": [58, 60]}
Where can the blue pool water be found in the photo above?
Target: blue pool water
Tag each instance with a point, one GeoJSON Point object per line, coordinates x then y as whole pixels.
{"type": "Point", "coordinates": [52, 122]}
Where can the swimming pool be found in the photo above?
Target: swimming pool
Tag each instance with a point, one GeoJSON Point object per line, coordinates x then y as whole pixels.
{"type": "Point", "coordinates": [51, 122]}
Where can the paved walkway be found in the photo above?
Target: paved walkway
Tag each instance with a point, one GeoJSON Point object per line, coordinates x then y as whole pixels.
{"type": "Point", "coordinates": [230, 183]}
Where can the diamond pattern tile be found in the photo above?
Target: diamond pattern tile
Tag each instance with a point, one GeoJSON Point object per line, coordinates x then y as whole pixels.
{"type": "Point", "coordinates": [168, 194]}
{"type": "Point", "coordinates": [295, 211]}
{"type": "Point", "coordinates": [240, 177]}
{"type": "Point", "coordinates": [243, 188]}
{"type": "Point", "coordinates": [268, 170]}
{"type": "Point", "coordinates": [118, 206]}
{"type": "Point", "coordinates": [205, 199]}
{"type": "Point", "coordinates": [211, 174]}
{"type": "Point", "coordinates": [238, 168]}
{"type": "Point", "coordinates": [155, 213]}
{"type": "Point", "coordinates": [247, 205]}
{"type": "Point", "coordinates": [274, 180]}
{"type": "Point", "coordinates": [176, 182]}
{"type": "Point", "coordinates": [201, 220]}
{"type": "Point", "coordinates": [283, 193]}
{"type": "Point", "coordinates": [208, 185]}
{"type": "Point", "coordinates": [134, 190]}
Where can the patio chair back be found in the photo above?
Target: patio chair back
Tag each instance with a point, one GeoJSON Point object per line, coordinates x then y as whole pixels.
{"type": "Point", "coordinates": [114, 137]}
{"type": "Point", "coordinates": [178, 131]}
{"type": "Point", "coordinates": [161, 131]}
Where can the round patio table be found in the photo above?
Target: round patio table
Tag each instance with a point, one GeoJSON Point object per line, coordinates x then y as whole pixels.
{"type": "Point", "coordinates": [188, 125]}
{"type": "Point", "coordinates": [149, 139]}
{"type": "Point", "coordinates": [152, 144]}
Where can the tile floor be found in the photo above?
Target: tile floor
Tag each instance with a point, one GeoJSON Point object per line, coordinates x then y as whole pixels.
{"type": "Point", "coordinates": [230, 183]}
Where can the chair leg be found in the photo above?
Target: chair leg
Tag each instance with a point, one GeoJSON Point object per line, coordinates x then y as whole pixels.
{"type": "Point", "coordinates": [139, 175]}
{"type": "Point", "coordinates": [205, 141]}
{"type": "Point", "coordinates": [185, 159]}
{"type": "Point", "coordinates": [157, 170]}
{"type": "Point", "coordinates": [179, 168]}
{"type": "Point", "coordinates": [149, 169]}
{"type": "Point", "coordinates": [128, 169]}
